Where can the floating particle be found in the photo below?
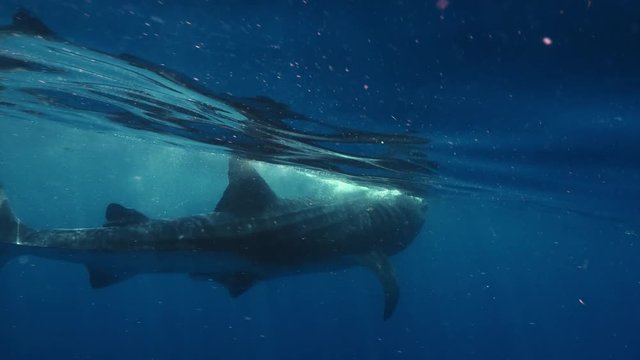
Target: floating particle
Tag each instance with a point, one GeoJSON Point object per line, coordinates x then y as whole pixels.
{"type": "Point", "coordinates": [547, 41]}
{"type": "Point", "coordinates": [157, 19]}
{"type": "Point", "coordinates": [581, 302]}
{"type": "Point", "coordinates": [442, 4]}
{"type": "Point", "coordinates": [365, 86]}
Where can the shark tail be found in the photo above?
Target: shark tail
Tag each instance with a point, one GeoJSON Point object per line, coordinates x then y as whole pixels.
{"type": "Point", "coordinates": [11, 229]}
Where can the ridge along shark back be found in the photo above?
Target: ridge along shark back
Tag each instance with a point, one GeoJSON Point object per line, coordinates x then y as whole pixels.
{"type": "Point", "coordinates": [252, 235]}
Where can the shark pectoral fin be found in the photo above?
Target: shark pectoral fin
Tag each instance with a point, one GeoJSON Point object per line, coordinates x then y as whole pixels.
{"type": "Point", "coordinates": [118, 215]}
{"type": "Point", "coordinates": [237, 283]}
{"type": "Point", "coordinates": [247, 193]}
{"type": "Point", "coordinates": [380, 265]}
{"type": "Point", "coordinates": [100, 278]}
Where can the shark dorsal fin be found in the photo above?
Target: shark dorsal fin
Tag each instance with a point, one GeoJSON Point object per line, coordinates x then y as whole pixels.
{"type": "Point", "coordinates": [25, 22]}
{"type": "Point", "coordinates": [118, 215]}
{"type": "Point", "coordinates": [247, 193]}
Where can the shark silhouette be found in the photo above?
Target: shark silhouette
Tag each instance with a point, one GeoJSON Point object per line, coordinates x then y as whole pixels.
{"type": "Point", "coordinates": [251, 236]}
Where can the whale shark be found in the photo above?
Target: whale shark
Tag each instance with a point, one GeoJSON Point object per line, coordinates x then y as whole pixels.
{"type": "Point", "coordinates": [252, 235]}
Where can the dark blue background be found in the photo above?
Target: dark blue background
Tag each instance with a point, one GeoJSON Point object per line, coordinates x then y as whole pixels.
{"type": "Point", "coordinates": [492, 276]}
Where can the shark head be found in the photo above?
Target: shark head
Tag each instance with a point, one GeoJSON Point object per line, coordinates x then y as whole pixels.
{"type": "Point", "coordinates": [397, 220]}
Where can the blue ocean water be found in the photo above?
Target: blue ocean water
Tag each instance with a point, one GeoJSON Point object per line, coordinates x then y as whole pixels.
{"type": "Point", "coordinates": [518, 122]}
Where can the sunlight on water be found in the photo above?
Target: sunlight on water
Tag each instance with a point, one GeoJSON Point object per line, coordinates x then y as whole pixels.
{"type": "Point", "coordinates": [57, 81]}
{"type": "Point", "coordinates": [316, 183]}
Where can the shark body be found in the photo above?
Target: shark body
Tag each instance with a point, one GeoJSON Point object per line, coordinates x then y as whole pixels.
{"type": "Point", "coordinates": [252, 235]}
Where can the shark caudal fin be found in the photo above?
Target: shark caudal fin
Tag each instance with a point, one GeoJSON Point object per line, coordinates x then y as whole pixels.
{"type": "Point", "coordinates": [8, 221]}
{"type": "Point", "coordinates": [11, 229]}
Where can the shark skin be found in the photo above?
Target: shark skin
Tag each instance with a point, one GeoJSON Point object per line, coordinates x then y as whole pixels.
{"type": "Point", "coordinates": [252, 235]}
